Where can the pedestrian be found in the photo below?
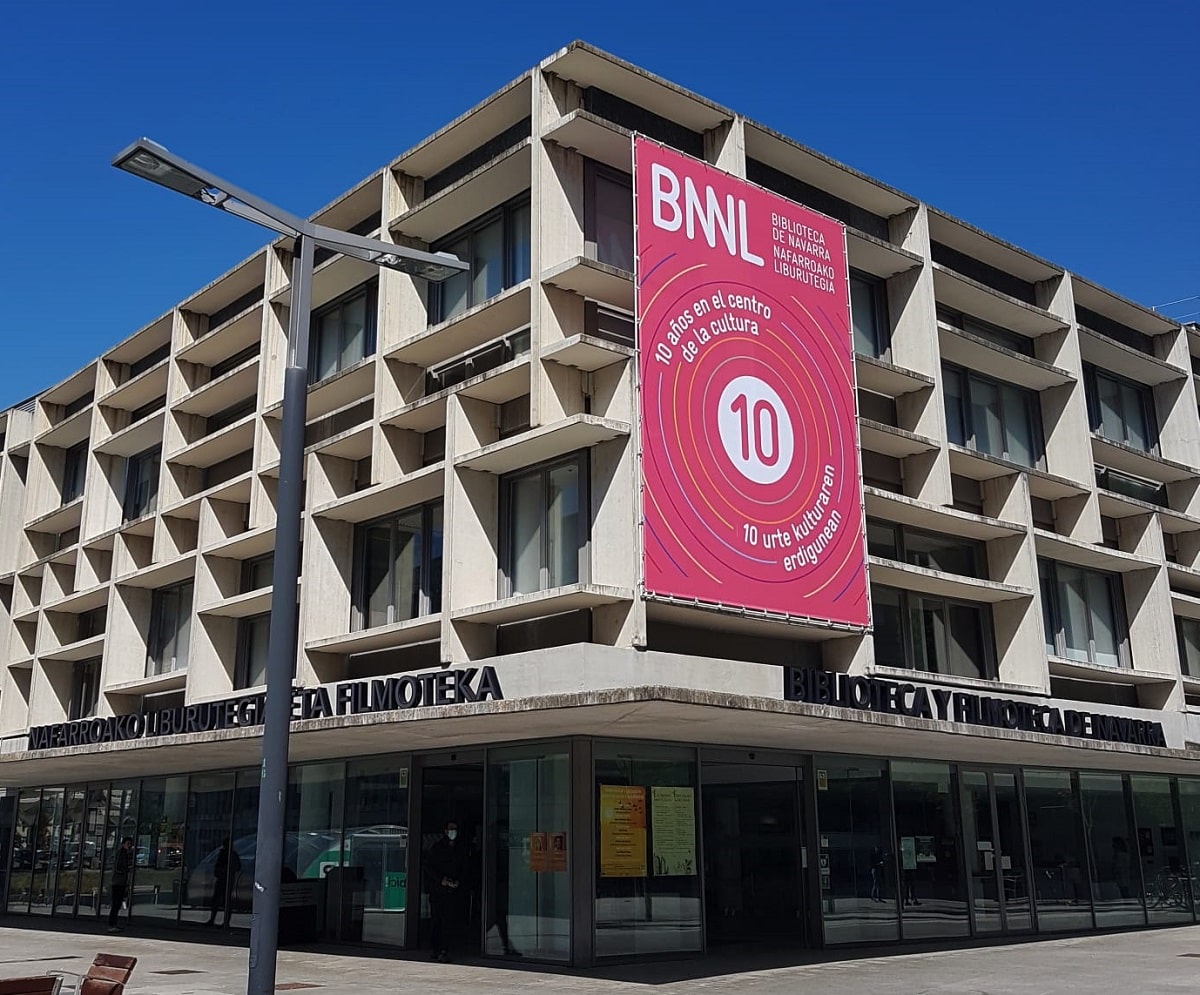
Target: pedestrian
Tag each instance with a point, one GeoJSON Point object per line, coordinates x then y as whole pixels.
{"type": "Point", "coordinates": [225, 872]}
{"type": "Point", "coordinates": [122, 865]}
{"type": "Point", "coordinates": [446, 866]}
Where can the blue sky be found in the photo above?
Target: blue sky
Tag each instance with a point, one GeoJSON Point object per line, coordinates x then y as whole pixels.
{"type": "Point", "coordinates": [1069, 128]}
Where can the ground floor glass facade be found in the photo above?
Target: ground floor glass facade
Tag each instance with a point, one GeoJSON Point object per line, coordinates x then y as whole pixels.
{"type": "Point", "coordinates": [662, 850]}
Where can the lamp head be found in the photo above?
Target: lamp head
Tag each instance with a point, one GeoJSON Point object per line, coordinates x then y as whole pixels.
{"type": "Point", "coordinates": [152, 162]}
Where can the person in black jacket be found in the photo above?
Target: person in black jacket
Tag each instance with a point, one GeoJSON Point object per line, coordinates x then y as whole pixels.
{"type": "Point", "coordinates": [122, 865]}
{"type": "Point", "coordinates": [225, 872]}
{"type": "Point", "coordinates": [446, 868]}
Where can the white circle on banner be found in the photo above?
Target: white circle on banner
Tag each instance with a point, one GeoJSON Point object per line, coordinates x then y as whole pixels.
{"type": "Point", "coordinates": [756, 429]}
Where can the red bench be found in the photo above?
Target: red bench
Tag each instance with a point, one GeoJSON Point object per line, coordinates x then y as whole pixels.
{"type": "Point", "coordinates": [42, 984]}
{"type": "Point", "coordinates": [107, 976]}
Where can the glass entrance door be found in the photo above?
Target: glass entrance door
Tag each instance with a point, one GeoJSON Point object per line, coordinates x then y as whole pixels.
{"type": "Point", "coordinates": [752, 853]}
{"type": "Point", "coordinates": [451, 794]}
{"type": "Point", "coordinates": [993, 831]}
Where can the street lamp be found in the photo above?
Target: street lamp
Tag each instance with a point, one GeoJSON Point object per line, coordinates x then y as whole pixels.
{"type": "Point", "coordinates": [151, 161]}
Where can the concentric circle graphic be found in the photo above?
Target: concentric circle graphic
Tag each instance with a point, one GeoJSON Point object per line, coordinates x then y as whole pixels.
{"type": "Point", "coordinates": [751, 489]}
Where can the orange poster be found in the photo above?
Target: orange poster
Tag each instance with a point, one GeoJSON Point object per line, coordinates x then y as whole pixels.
{"type": "Point", "coordinates": [622, 831]}
{"type": "Point", "coordinates": [539, 853]}
{"type": "Point", "coordinates": [558, 851]}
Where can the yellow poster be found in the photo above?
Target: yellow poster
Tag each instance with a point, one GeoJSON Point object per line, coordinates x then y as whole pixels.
{"type": "Point", "coordinates": [622, 831]}
{"type": "Point", "coordinates": [673, 825]}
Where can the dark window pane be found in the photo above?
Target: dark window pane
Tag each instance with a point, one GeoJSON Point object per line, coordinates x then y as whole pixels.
{"type": "Point", "coordinates": [1165, 873]}
{"type": "Point", "coordinates": [882, 541]}
{"type": "Point", "coordinates": [487, 262]}
{"type": "Point", "coordinates": [563, 525]}
{"type": "Point", "coordinates": [956, 426]}
{"type": "Point", "coordinates": [614, 221]}
{"type": "Point", "coordinates": [864, 314]}
{"type": "Point", "coordinates": [933, 896]}
{"type": "Point", "coordinates": [1116, 886]}
{"type": "Point", "coordinates": [858, 889]}
{"type": "Point", "coordinates": [519, 244]}
{"type": "Point", "coordinates": [886, 612]}
{"type": "Point", "coordinates": [1057, 851]}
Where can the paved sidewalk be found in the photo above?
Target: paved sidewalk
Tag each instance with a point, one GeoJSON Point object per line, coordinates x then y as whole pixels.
{"type": "Point", "coordinates": [1158, 962]}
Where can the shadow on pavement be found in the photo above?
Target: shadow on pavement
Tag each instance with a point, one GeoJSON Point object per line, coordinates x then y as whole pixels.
{"type": "Point", "coordinates": [719, 962]}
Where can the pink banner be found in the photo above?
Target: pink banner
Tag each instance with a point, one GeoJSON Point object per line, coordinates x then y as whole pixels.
{"type": "Point", "coordinates": [751, 493]}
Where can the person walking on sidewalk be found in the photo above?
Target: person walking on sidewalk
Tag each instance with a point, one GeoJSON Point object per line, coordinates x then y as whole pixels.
{"type": "Point", "coordinates": [122, 865]}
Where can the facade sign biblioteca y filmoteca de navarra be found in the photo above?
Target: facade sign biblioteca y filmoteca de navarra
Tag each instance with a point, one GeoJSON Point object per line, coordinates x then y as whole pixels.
{"type": "Point", "coordinates": [876, 694]}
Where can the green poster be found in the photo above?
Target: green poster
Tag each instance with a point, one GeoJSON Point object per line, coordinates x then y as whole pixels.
{"type": "Point", "coordinates": [673, 830]}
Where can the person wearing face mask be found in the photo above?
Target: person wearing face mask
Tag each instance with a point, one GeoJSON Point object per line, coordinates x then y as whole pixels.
{"type": "Point", "coordinates": [446, 866]}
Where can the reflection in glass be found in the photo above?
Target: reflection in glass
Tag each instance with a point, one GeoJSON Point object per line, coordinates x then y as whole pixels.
{"type": "Point", "coordinates": [66, 887]}
{"type": "Point", "coordinates": [1189, 810]}
{"type": "Point", "coordinates": [979, 839]}
{"type": "Point", "coordinates": [857, 876]}
{"type": "Point", "coordinates": [529, 884]}
{"type": "Point", "coordinates": [1116, 880]}
{"type": "Point", "coordinates": [526, 534]}
{"type": "Point", "coordinates": [933, 897]}
{"type": "Point", "coordinates": [244, 830]}
{"type": "Point", "coordinates": [638, 910]}
{"type": "Point", "coordinates": [212, 870]}
{"type": "Point", "coordinates": [20, 890]}
{"type": "Point", "coordinates": [1057, 851]}
{"type": "Point", "coordinates": [313, 823]}
{"type": "Point", "coordinates": [120, 822]}
{"type": "Point", "coordinates": [562, 522]}
{"type": "Point", "coordinates": [374, 878]}
{"type": "Point", "coordinates": [47, 835]}
{"type": "Point", "coordinates": [865, 318]}
{"type": "Point", "coordinates": [1160, 846]}
{"type": "Point", "coordinates": [158, 848]}
{"type": "Point", "coordinates": [1012, 862]}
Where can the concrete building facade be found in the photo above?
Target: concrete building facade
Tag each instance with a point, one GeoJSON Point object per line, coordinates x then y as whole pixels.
{"type": "Point", "coordinates": [632, 777]}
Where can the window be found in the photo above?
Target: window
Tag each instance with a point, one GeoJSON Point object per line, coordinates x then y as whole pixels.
{"type": "Point", "coordinates": [147, 409]}
{"type": "Point", "coordinates": [258, 573]}
{"type": "Point", "coordinates": [985, 330]}
{"type": "Point", "coordinates": [545, 532]}
{"type": "Point", "coordinates": [931, 550]}
{"type": "Point", "coordinates": [77, 405]}
{"type": "Point", "coordinates": [1188, 631]}
{"type": "Point", "coordinates": [1084, 614]}
{"type": "Point", "coordinates": [1150, 491]}
{"type": "Point", "coordinates": [477, 362]}
{"type": "Point", "coordinates": [1121, 410]}
{"type": "Point", "coordinates": [343, 332]}
{"type": "Point", "coordinates": [151, 359]}
{"type": "Point", "coordinates": [74, 465]}
{"type": "Point", "coordinates": [512, 417]}
{"type": "Point", "coordinates": [916, 631]}
{"type": "Point", "coordinates": [992, 417]}
{"type": "Point", "coordinates": [141, 483]}
{"type": "Point", "coordinates": [497, 247]}
{"type": "Point", "coordinates": [223, 366]}
{"type": "Point", "coordinates": [608, 215]}
{"type": "Point", "coordinates": [85, 690]}
{"type": "Point", "coordinates": [228, 415]}
{"type": "Point", "coordinates": [608, 323]}
{"type": "Point", "coordinates": [869, 314]}
{"type": "Point", "coordinates": [170, 626]}
{"type": "Point", "coordinates": [253, 636]}
{"type": "Point", "coordinates": [399, 574]}
{"type": "Point", "coordinates": [91, 623]}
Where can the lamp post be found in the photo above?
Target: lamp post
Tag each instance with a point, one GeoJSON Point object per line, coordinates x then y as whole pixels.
{"type": "Point", "coordinates": [152, 162]}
